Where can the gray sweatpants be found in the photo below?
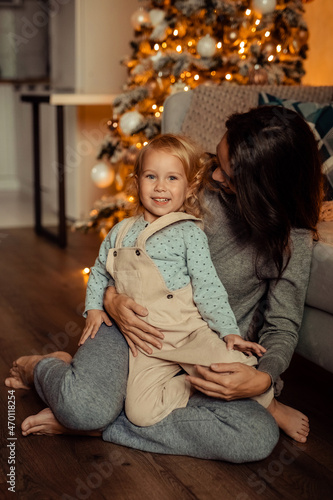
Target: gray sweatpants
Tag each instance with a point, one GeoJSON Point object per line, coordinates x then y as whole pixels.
{"type": "Point", "coordinates": [89, 394]}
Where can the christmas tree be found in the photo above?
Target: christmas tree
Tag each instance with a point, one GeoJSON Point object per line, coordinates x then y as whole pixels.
{"type": "Point", "coordinates": [179, 44]}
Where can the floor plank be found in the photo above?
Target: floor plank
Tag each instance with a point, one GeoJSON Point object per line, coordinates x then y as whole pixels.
{"type": "Point", "coordinates": [42, 294]}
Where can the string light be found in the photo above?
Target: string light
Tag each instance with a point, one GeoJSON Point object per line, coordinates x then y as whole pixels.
{"type": "Point", "coordinates": [156, 46]}
{"type": "Point", "coordinates": [248, 12]}
{"type": "Point", "coordinates": [196, 77]}
{"type": "Point", "coordinates": [85, 271]}
{"type": "Point", "coordinates": [228, 76]}
{"type": "Point", "coordinates": [179, 48]}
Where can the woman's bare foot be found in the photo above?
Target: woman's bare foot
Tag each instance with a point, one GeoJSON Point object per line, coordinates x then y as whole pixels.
{"type": "Point", "coordinates": [22, 371]}
{"type": "Point", "coordinates": [45, 423]}
{"type": "Point", "coordinates": [294, 423]}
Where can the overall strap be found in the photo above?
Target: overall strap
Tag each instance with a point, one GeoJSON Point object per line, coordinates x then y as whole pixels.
{"type": "Point", "coordinates": [160, 223]}
{"type": "Point", "coordinates": [126, 226]}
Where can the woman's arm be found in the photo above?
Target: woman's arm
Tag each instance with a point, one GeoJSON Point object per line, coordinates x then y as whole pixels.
{"type": "Point", "coordinates": [126, 313]}
{"type": "Point", "coordinates": [284, 307]}
{"type": "Point", "coordinates": [230, 381]}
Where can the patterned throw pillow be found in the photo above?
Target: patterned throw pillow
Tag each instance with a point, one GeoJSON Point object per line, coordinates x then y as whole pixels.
{"type": "Point", "coordinates": [320, 119]}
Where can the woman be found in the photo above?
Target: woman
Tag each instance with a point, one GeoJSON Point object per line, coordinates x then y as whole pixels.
{"type": "Point", "coordinates": [265, 209]}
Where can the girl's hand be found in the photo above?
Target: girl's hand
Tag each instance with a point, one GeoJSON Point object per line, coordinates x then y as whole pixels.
{"type": "Point", "coordinates": [237, 343]}
{"type": "Point", "coordinates": [137, 332]}
{"type": "Point", "coordinates": [230, 381]}
{"type": "Point", "coordinates": [94, 319]}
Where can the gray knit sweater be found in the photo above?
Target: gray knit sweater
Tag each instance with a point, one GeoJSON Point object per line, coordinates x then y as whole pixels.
{"type": "Point", "coordinates": [266, 311]}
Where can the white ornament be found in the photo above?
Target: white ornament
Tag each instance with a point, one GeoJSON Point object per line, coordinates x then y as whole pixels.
{"type": "Point", "coordinates": [139, 18]}
{"type": "Point", "coordinates": [264, 6]}
{"type": "Point", "coordinates": [102, 175]}
{"type": "Point", "coordinates": [206, 46]}
{"type": "Point", "coordinates": [130, 121]}
{"type": "Point", "coordinates": [156, 16]}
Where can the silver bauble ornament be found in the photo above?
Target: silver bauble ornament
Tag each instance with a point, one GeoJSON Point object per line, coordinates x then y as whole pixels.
{"type": "Point", "coordinates": [139, 18]}
{"type": "Point", "coordinates": [206, 46]}
{"type": "Point", "coordinates": [102, 174]}
{"type": "Point", "coordinates": [264, 6]}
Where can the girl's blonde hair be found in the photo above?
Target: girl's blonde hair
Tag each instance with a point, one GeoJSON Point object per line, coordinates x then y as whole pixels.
{"type": "Point", "coordinates": [193, 160]}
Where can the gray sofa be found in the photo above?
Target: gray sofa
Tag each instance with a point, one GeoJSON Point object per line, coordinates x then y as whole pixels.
{"type": "Point", "coordinates": [201, 114]}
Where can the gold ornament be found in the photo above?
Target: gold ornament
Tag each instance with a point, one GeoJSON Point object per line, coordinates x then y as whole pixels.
{"type": "Point", "coordinates": [258, 76]}
{"type": "Point", "coordinates": [145, 47]}
{"type": "Point", "coordinates": [231, 36]}
{"type": "Point", "coordinates": [303, 36]}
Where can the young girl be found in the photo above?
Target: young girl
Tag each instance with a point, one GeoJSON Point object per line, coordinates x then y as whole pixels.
{"type": "Point", "coordinates": [161, 259]}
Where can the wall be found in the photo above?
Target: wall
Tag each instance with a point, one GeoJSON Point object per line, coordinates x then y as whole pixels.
{"type": "Point", "coordinates": [319, 64]}
{"type": "Point", "coordinates": [86, 46]}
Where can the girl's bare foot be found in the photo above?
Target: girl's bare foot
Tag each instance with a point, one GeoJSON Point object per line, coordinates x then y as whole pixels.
{"type": "Point", "coordinates": [294, 423]}
{"type": "Point", "coordinates": [45, 423]}
{"type": "Point", "coordinates": [22, 371]}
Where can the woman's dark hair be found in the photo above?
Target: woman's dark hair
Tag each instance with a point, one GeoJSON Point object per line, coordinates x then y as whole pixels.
{"type": "Point", "coordinates": [277, 177]}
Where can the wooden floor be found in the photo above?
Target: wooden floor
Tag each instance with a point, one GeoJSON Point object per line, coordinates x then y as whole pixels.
{"type": "Point", "coordinates": [42, 292]}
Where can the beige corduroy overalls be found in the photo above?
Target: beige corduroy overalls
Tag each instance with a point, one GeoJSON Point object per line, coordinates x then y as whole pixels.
{"type": "Point", "coordinates": [153, 389]}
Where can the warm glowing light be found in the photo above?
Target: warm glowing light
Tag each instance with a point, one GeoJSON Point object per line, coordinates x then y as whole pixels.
{"type": "Point", "coordinates": [278, 48]}
{"type": "Point", "coordinates": [213, 73]}
{"type": "Point", "coordinates": [138, 145]}
{"type": "Point", "coordinates": [145, 143]}
{"type": "Point", "coordinates": [154, 106]}
{"type": "Point", "coordinates": [267, 34]}
{"type": "Point", "coordinates": [188, 74]}
{"type": "Point", "coordinates": [190, 43]}
{"type": "Point", "coordinates": [186, 88]}
{"type": "Point", "coordinates": [196, 77]}
{"type": "Point", "coordinates": [179, 48]}
{"type": "Point", "coordinates": [131, 198]}
{"type": "Point", "coordinates": [228, 76]}
{"type": "Point", "coordinates": [241, 51]}
{"type": "Point", "coordinates": [271, 58]}
{"type": "Point", "coordinates": [182, 75]}
{"type": "Point", "coordinates": [86, 270]}
{"type": "Point", "coordinates": [253, 30]}
{"type": "Point", "coordinates": [161, 109]}
{"type": "Point", "coordinates": [248, 12]}
{"type": "Point", "coordinates": [242, 44]}
{"type": "Point", "coordinates": [219, 45]}
{"type": "Point", "coordinates": [156, 46]}
{"type": "Point", "coordinates": [257, 22]}
{"type": "Point", "coordinates": [164, 45]}
{"type": "Point", "coordinates": [175, 32]}
{"type": "Point", "coordinates": [157, 114]}
{"type": "Point", "coordinates": [93, 213]}
{"type": "Point", "coordinates": [172, 79]}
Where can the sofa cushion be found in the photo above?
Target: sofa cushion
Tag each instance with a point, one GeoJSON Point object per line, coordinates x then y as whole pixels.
{"type": "Point", "coordinates": [320, 118]}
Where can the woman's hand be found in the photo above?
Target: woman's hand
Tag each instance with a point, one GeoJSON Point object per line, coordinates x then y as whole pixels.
{"type": "Point", "coordinates": [125, 311]}
{"type": "Point", "coordinates": [230, 381]}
